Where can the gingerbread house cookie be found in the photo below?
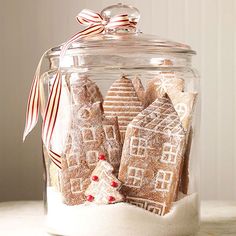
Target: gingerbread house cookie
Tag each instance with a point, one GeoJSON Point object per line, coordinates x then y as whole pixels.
{"type": "Point", "coordinates": [152, 157]}
{"type": "Point", "coordinates": [78, 84]}
{"type": "Point", "coordinates": [139, 89]}
{"type": "Point", "coordinates": [123, 102]}
{"type": "Point", "coordinates": [184, 105]}
{"type": "Point", "coordinates": [184, 178]}
{"type": "Point", "coordinates": [91, 135]}
{"type": "Point", "coordinates": [165, 82]}
{"type": "Point", "coordinates": [104, 187]}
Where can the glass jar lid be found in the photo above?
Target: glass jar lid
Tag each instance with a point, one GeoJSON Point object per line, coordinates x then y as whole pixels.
{"type": "Point", "coordinates": [124, 39]}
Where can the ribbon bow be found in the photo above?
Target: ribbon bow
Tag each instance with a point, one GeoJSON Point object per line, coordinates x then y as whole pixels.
{"type": "Point", "coordinates": [95, 25]}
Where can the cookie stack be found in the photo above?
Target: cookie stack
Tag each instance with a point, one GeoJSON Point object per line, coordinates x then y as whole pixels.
{"type": "Point", "coordinates": [131, 147]}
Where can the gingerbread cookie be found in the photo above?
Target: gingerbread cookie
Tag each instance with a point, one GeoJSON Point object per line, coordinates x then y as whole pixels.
{"type": "Point", "coordinates": [152, 157]}
{"type": "Point", "coordinates": [84, 89]}
{"type": "Point", "coordinates": [139, 89]}
{"type": "Point", "coordinates": [184, 178]}
{"type": "Point", "coordinates": [184, 106]}
{"type": "Point", "coordinates": [104, 187]}
{"type": "Point", "coordinates": [165, 82]}
{"type": "Point", "coordinates": [123, 102]}
{"type": "Point", "coordinates": [91, 135]}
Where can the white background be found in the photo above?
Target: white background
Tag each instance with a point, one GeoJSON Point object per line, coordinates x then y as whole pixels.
{"type": "Point", "coordinates": [29, 27]}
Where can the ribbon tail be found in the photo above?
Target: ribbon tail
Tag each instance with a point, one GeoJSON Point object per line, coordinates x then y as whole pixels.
{"type": "Point", "coordinates": [55, 158]}
{"type": "Point", "coordinates": [33, 104]}
{"type": "Point", "coordinates": [50, 117]}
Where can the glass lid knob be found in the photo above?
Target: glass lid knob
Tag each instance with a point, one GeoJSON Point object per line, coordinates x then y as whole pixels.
{"type": "Point", "coordinates": [121, 9]}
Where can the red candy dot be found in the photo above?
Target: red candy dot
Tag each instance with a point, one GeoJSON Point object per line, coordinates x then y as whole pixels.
{"type": "Point", "coordinates": [111, 199]}
{"type": "Point", "coordinates": [102, 157]}
{"type": "Point", "coordinates": [95, 178]}
{"type": "Point", "coordinates": [90, 198]}
{"type": "Point", "coordinates": [114, 184]}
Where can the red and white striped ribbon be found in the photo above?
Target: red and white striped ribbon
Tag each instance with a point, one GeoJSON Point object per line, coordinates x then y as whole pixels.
{"type": "Point", "coordinates": [95, 25]}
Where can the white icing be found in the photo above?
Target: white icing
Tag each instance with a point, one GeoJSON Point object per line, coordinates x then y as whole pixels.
{"type": "Point", "coordinates": [124, 123]}
{"type": "Point", "coordinates": [121, 84]}
{"type": "Point", "coordinates": [121, 98]}
{"type": "Point", "coordinates": [181, 109]}
{"type": "Point", "coordinates": [122, 118]}
{"type": "Point", "coordinates": [108, 128]}
{"type": "Point", "coordinates": [134, 177]}
{"type": "Point", "coordinates": [121, 93]}
{"type": "Point", "coordinates": [111, 102]}
{"type": "Point", "coordinates": [156, 131]}
{"type": "Point", "coordinates": [122, 112]}
{"type": "Point", "coordinates": [124, 107]}
{"type": "Point", "coordinates": [120, 219]}
{"type": "Point", "coordinates": [152, 206]}
{"type": "Point", "coordinates": [163, 180]}
{"type": "Point", "coordinates": [118, 88]}
{"type": "Point", "coordinates": [169, 153]}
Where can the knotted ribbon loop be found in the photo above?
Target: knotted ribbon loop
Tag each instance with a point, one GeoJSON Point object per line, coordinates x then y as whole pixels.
{"type": "Point", "coordinates": [88, 17]}
{"type": "Point", "coordinates": [95, 25]}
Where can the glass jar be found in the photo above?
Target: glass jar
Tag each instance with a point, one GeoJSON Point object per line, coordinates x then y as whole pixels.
{"type": "Point", "coordinates": [128, 98]}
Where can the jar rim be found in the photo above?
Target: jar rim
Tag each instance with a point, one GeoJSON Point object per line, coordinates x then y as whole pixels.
{"type": "Point", "coordinates": [128, 41]}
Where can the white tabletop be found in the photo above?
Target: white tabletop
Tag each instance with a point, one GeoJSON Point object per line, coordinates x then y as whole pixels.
{"type": "Point", "coordinates": [26, 218]}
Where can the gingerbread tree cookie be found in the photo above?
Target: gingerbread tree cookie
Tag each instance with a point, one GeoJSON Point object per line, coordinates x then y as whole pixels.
{"type": "Point", "coordinates": [104, 187]}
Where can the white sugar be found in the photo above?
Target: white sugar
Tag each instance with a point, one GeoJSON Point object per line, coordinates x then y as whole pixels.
{"type": "Point", "coordinates": [120, 219]}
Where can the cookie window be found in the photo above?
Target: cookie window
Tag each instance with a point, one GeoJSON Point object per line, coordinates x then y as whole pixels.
{"type": "Point", "coordinates": [114, 155]}
{"type": "Point", "coordinates": [134, 177]}
{"type": "Point", "coordinates": [138, 146]}
{"type": "Point", "coordinates": [169, 153]}
{"type": "Point", "coordinates": [84, 114]}
{"type": "Point", "coordinates": [76, 185]}
{"type": "Point", "coordinates": [153, 206]}
{"type": "Point", "coordinates": [163, 180]}
{"type": "Point", "coordinates": [72, 161]}
{"type": "Point", "coordinates": [109, 132]}
{"type": "Point", "coordinates": [92, 157]}
{"type": "Point", "coordinates": [181, 109]}
{"type": "Point", "coordinates": [88, 134]}
{"type": "Point", "coordinates": [156, 208]}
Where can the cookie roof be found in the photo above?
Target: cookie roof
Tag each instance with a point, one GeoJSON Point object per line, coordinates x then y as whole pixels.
{"type": "Point", "coordinates": [160, 117]}
{"type": "Point", "coordinates": [123, 102]}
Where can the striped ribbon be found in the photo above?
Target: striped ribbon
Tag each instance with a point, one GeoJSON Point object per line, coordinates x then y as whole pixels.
{"type": "Point", "coordinates": [95, 25]}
